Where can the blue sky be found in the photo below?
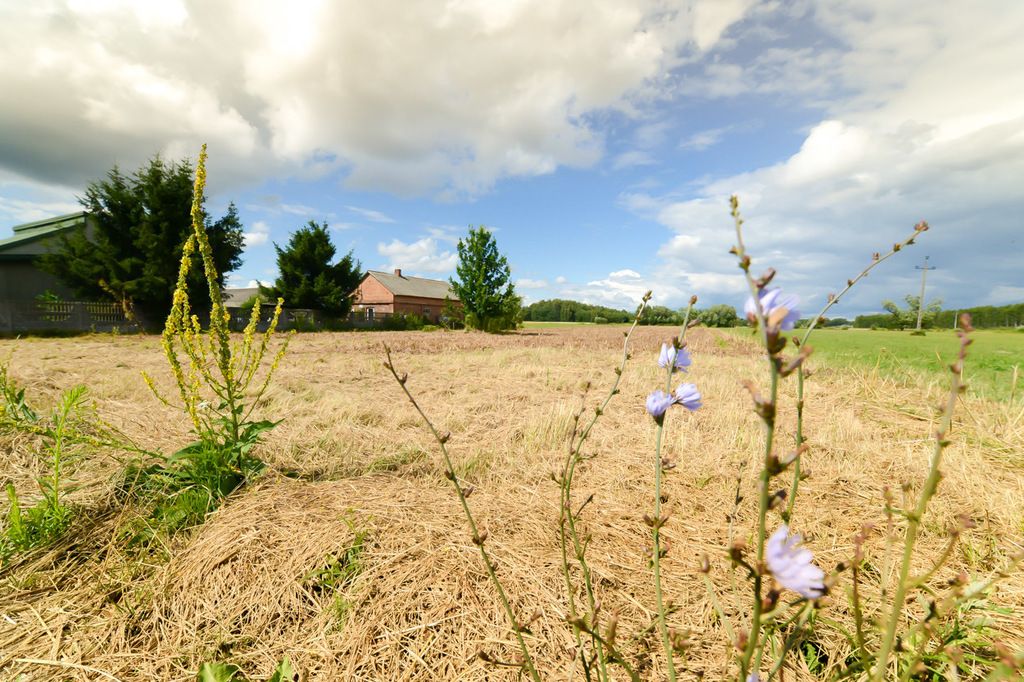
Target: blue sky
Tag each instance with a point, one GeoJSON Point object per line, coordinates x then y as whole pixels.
{"type": "Point", "coordinates": [600, 140]}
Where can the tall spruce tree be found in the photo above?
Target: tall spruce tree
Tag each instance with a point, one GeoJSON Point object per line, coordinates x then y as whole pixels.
{"type": "Point", "coordinates": [308, 278]}
{"type": "Point", "coordinates": [484, 284]}
{"type": "Point", "coordinates": [132, 246]}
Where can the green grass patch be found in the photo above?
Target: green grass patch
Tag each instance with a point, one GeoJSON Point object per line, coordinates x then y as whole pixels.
{"type": "Point", "coordinates": [180, 491]}
{"type": "Point", "coordinates": [339, 571]}
{"type": "Point", "coordinates": [989, 371]}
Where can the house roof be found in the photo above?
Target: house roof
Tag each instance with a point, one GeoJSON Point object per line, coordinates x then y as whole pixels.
{"type": "Point", "coordinates": [236, 296]}
{"type": "Point", "coordinates": [30, 232]}
{"type": "Point", "coordinates": [420, 287]}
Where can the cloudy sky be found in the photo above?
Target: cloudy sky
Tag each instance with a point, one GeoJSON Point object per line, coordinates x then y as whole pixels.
{"type": "Point", "coordinates": [600, 139]}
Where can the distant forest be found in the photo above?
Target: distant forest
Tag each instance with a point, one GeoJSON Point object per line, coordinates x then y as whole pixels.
{"type": "Point", "coordinates": [982, 317]}
{"type": "Point", "coordinates": [560, 310]}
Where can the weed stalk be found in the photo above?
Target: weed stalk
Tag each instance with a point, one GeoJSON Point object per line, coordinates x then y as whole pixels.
{"type": "Point", "coordinates": [479, 538]}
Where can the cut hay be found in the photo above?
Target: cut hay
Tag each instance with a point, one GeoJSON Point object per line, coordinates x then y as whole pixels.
{"type": "Point", "coordinates": [250, 584]}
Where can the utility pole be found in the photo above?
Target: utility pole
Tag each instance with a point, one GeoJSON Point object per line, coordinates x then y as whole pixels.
{"type": "Point", "coordinates": [920, 302]}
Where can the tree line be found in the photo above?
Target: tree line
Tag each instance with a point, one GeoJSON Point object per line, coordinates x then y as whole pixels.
{"type": "Point", "coordinates": [562, 310]}
{"type": "Point", "coordinates": [934, 317]}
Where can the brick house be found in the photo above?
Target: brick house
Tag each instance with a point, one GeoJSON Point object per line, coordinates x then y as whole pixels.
{"type": "Point", "coordinates": [391, 293]}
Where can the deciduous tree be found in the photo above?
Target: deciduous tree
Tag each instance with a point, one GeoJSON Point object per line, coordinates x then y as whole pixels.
{"type": "Point", "coordinates": [904, 318]}
{"type": "Point", "coordinates": [720, 315]}
{"type": "Point", "coordinates": [483, 284]}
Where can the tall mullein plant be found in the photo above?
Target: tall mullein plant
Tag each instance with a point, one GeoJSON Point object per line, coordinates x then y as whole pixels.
{"type": "Point", "coordinates": [673, 358]}
{"type": "Point", "coordinates": [218, 380]}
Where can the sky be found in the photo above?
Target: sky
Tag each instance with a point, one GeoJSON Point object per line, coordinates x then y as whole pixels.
{"type": "Point", "coordinates": [599, 140]}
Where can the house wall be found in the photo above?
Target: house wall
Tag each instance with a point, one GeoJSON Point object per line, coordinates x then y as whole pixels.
{"type": "Point", "coordinates": [21, 280]}
{"type": "Point", "coordinates": [430, 308]}
{"type": "Point", "coordinates": [373, 293]}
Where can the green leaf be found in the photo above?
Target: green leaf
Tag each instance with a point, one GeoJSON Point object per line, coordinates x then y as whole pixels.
{"type": "Point", "coordinates": [284, 672]}
{"type": "Point", "coordinates": [219, 672]}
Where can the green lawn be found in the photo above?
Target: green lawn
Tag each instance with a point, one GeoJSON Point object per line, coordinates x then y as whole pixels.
{"type": "Point", "coordinates": [989, 368]}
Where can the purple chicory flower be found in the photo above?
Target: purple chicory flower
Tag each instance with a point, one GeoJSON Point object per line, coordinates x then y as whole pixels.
{"type": "Point", "coordinates": [777, 306]}
{"type": "Point", "coordinates": [688, 396]}
{"type": "Point", "coordinates": [678, 358]}
{"type": "Point", "coordinates": [754, 677]}
{"type": "Point", "coordinates": [791, 565]}
{"type": "Point", "coordinates": [657, 403]}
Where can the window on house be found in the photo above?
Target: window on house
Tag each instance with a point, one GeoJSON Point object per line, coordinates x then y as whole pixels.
{"type": "Point", "coordinates": [369, 313]}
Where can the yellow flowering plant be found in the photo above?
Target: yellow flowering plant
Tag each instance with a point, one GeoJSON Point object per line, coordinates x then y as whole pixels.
{"type": "Point", "coordinates": [219, 379]}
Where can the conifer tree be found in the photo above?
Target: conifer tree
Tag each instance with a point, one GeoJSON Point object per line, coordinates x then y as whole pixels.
{"type": "Point", "coordinates": [135, 232]}
{"type": "Point", "coordinates": [308, 276]}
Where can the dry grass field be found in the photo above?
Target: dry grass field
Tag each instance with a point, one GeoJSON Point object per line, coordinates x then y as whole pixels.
{"type": "Point", "coordinates": [352, 473]}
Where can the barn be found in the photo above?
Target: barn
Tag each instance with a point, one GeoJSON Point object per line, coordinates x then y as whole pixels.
{"type": "Point", "coordinates": [389, 293]}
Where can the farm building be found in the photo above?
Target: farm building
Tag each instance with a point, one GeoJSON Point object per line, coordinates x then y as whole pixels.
{"type": "Point", "coordinates": [34, 300]}
{"type": "Point", "coordinates": [20, 277]}
{"type": "Point", "coordinates": [391, 293]}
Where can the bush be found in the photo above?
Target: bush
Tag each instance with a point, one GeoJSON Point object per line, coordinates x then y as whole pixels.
{"type": "Point", "coordinates": [600, 320]}
{"type": "Point", "coordinates": [400, 322]}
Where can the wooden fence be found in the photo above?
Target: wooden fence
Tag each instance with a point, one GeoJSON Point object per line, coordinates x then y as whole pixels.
{"type": "Point", "coordinates": [21, 317]}
{"type": "Point", "coordinates": [17, 317]}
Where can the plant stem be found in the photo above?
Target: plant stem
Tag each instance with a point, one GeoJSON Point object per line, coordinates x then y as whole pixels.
{"type": "Point", "coordinates": [657, 520]}
{"type": "Point", "coordinates": [833, 300]}
{"type": "Point", "coordinates": [914, 518]}
{"type": "Point", "coordinates": [762, 515]}
{"type": "Point", "coordinates": [768, 419]}
{"type": "Point", "coordinates": [478, 540]}
{"type": "Point", "coordinates": [566, 513]}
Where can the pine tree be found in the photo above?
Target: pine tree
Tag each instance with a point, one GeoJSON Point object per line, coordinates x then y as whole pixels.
{"type": "Point", "coordinates": [484, 284]}
{"type": "Point", "coordinates": [132, 245]}
{"type": "Point", "coordinates": [309, 279]}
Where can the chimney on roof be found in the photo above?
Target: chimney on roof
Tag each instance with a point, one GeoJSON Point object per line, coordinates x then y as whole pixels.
{"type": "Point", "coordinates": [398, 272]}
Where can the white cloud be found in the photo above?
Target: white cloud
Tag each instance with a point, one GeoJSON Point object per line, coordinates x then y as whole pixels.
{"type": "Point", "coordinates": [299, 209]}
{"type": "Point", "coordinates": [526, 283]}
{"type": "Point", "coordinates": [258, 235]}
{"type": "Point", "coordinates": [703, 139]}
{"type": "Point", "coordinates": [418, 256]}
{"type": "Point", "coordinates": [371, 215]}
{"type": "Point", "coordinates": [633, 158]}
{"type": "Point", "coordinates": [1005, 295]}
{"type": "Point", "coordinates": [619, 289]}
{"type": "Point", "coordinates": [446, 233]}
{"type": "Point", "coordinates": [18, 211]}
{"type": "Point", "coordinates": [459, 95]}
{"type": "Point", "coordinates": [895, 147]}
{"type": "Point", "coordinates": [560, 280]}
{"type": "Point", "coordinates": [23, 201]}
{"type": "Point", "coordinates": [712, 18]}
